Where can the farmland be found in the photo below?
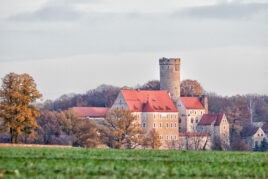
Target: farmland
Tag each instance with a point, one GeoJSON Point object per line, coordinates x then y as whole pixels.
{"type": "Point", "coordinates": [84, 163]}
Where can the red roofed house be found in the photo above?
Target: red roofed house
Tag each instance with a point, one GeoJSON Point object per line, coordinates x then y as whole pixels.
{"type": "Point", "coordinates": [191, 110]}
{"type": "Point", "coordinates": [216, 125]}
{"type": "Point", "coordinates": [94, 113]}
{"type": "Point", "coordinates": [154, 110]}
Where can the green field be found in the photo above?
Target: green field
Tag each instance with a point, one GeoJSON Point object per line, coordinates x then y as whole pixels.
{"type": "Point", "coordinates": [90, 163]}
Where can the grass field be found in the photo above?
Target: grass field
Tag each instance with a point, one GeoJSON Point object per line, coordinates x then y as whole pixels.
{"type": "Point", "coordinates": [90, 163]}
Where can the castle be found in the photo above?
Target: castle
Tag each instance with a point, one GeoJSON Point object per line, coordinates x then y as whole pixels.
{"type": "Point", "coordinates": [181, 122]}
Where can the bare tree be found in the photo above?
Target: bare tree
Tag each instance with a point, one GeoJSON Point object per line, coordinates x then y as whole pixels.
{"type": "Point", "coordinates": [251, 104]}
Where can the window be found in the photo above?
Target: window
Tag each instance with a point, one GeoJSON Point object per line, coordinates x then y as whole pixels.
{"type": "Point", "coordinates": [154, 125]}
{"type": "Point", "coordinates": [196, 121]}
{"type": "Point", "coordinates": [192, 120]}
{"type": "Point", "coordinates": [167, 125]}
{"type": "Point", "coordinates": [161, 137]}
{"type": "Point", "coordinates": [160, 116]}
{"type": "Point", "coordinates": [201, 112]}
{"type": "Point", "coordinates": [258, 134]}
{"type": "Point", "coordinates": [190, 112]}
{"type": "Point", "coordinates": [120, 102]}
{"type": "Point", "coordinates": [223, 127]}
{"type": "Point", "coordinates": [171, 125]}
{"type": "Point", "coordinates": [175, 125]}
{"type": "Point", "coordinates": [261, 134]}
{"type": "Point", "coordinates": [160, 124]}
{"type": "Point", "coordinates": [171, 137]}
{"type": "Point", "coordinates": [154, 116]}
{"type": "Point", "coordinates": [175, 116]}
{"type": "Point", "coordinates": [180, 121]}
{"type": "Point", "coordinates": [194, 112]}
{"type": "Point", "coordinates": [171, 116]}
{"type": "Point", "coordinates": [167, 137]}
{"type": "Point", "coordinates": [223, 134]}
{"type": "Point", "coordinates": [144, 125]}
{"type": "Point", "coordinates": [175, 137]}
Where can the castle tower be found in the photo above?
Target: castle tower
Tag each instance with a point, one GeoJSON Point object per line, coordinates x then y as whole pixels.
{"type": "Point", "coordinates": [170, 76]}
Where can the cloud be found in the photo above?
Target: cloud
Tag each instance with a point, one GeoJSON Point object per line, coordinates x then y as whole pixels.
{"type": "Point", "coordinates": [49, 13]}
{"type": "Point", "coordinates": [230, 11]}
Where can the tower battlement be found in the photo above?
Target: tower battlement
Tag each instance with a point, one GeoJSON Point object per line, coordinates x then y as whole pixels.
{"type": "Point", "coordinates": [169, 61]}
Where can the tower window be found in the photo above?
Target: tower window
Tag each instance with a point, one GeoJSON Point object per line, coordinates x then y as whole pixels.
{"type": "Point", "coordinates": [154, 125]}
{"type": "Point", "coordinates": [167, 125]}
{"type": "Point", "coordinates": [171, 125]}
{"type": "Point", "coordinates": [160, 124]}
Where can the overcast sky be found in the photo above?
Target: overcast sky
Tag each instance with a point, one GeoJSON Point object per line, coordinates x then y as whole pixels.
{"type": "Point", "coordinates": [71, 46]}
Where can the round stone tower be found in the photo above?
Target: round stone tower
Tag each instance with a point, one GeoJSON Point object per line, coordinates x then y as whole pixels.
{"type": "Point", "coordinates": [170, 76]}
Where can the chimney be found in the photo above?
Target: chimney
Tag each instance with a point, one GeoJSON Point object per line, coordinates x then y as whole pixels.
{"type": "Point", "coordinates": [204, 101]}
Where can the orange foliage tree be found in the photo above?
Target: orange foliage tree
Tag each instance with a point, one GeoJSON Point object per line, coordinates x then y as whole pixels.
{"type": "Point", "coordinates": [153, 140]}
{"type": "Point", "coordinates": [121, 130]}
{"type": "Point", "coordinates": [191, 88]}
{"type": "Point", "coordinates": [17, 94]}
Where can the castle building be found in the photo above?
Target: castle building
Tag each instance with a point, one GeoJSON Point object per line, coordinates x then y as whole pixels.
{"type": "Point", "coordinates": [217, 126]}
{"type": "Point", "coordinates": [178, 120]}
{"type": "Point", "coordinates": [191, 111]}
{"type": "Point", "coordinates": [154, 110]}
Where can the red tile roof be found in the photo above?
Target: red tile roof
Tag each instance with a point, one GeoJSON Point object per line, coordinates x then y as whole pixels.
{"type": "Point", "coordinates": [192, 103]}
{"type": "Point", "coordinates": [265, 127]}
{"type": "Point", "coordinates": [91, 111]}
{"type": "Point", "coordinates": [148, 101]}
{"type": "Point", "coordinates": [193, 134]}
{"type": "Point", "coordinates": [208, 119]}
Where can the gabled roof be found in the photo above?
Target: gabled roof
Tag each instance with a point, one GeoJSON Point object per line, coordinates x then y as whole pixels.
{"type": "Point", "coordinates": [148, 101]}
{"type": "Point", "coordinates": [193, 134]}
{"type": "Point", "coordinates": [192, 103]}
{"type": "Point", "coordinates": [208, 119]}
{"type": "Point", "coordinates": [251, 132]}
{"type": "Point", "coordinates": [265, 127]}
{"type": "Point", "coordinates": [91, 111]}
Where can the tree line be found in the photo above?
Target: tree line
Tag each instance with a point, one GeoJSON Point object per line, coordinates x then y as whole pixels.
{"type": "Point", "coordinates": [56, 124]}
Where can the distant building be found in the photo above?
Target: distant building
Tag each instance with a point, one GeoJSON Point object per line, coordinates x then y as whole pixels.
{"type": "Point", "coordinates": [154, 110]}
{"type": "Point", "coordinates": [256, 135]}
{"type": "Point", "coordinates": [93, 113]}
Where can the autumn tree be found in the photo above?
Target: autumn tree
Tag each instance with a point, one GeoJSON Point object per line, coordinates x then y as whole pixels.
{"type": "Point", "coordinates": [191, 88]}
{"type": "Point", "coordinates": [86, 134]}
{"type": "Point", "coordinates": [152, 140]}
{"type": "Point", "coordinates": [121, 130]}
{"type": "Point", "coordinates": [17, 95]}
